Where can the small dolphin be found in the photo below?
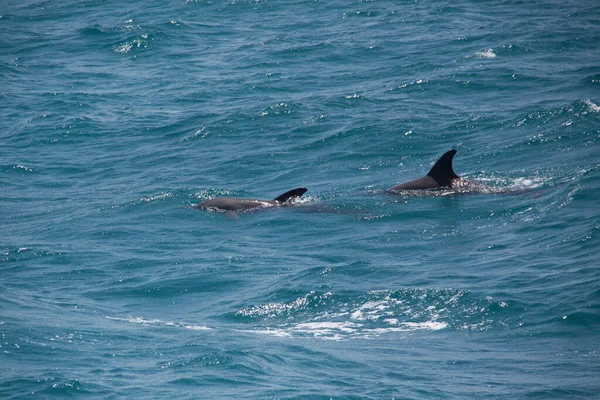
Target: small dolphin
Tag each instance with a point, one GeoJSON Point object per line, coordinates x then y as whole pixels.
{"type": "Point", "coordinates": [237, 204]}
{"type": "Point", "coordinates": [441, 175]}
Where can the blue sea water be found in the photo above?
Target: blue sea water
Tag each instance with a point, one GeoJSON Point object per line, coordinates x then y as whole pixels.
{"type": "Point", "coordinates": [117, 117]}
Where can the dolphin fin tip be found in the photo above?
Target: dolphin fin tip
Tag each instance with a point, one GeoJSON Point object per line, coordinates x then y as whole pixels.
{"type": "Point", "coordinates": [298, 192]}
{"type": "Point", "coordinates": [442, 171]}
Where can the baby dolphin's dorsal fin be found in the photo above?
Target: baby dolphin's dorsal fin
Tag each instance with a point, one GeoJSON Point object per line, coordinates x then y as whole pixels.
{"type": "Point", "coordinates": [298, 192]}
{"type": "Point", "coordinates": [442, 171]}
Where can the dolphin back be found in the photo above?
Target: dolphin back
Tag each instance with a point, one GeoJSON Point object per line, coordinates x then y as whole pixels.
{"type": "Point", "coordinates": [442, 171]}
{"type": "Point", "coordinates": [298, 192]}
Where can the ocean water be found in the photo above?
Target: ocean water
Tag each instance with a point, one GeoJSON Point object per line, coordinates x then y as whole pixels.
{"type": "Point", "coordinates": [117, 117]}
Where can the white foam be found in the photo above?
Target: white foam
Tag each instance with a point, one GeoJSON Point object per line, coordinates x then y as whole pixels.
{"type": "Point", "coordinates": [526, 183]}
{"type": "Point", "coordinates": [273, 309]}
{"type": "Point", "coordinates": [159, 196]}
{"type": "Point", "coordinates": [208, 194]}
{"type": "Point", "coordinates": [354, 96]}
{"type": "Point", "coordinates": [124, 48]}
{"type": "Point", "coordinates": [273, 332]}
{"type": "Point", "coordinates": [276, 109]}
{"type": "Point", "coordinates": [344, 330]}
{"type": "Point", "coordinates": [326, 327]}
{"type": "Point", "coordinates": [371, 310]}
{"type": "Point", "coordinates": [305, 200]}
{"type": "Point", "coordinates": [428, 325]}
{"type": "Point", "coordinates": [489, 53]}
{"type": "Point", "coordinates": [376, 309]}
{"type": "Point", "coordinates": [327, 330]}
{"type": "Point", "coordinates": [197, 327]}
{"type": "Point", "coordinates": [591, 106]}
{"type": "Point", "coordinates": [158, 322]}
{"type": "Point", "coordinates": [417, 82]}
{"type": "Point", "coordinates": [202, 132]}
{"type": "Point", "coordinates": [378, 313]}
{"type": "Point", "coordinates": [136, 320]}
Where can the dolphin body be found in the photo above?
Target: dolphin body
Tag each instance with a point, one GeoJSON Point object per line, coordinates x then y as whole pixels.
{"type": "Point", "coordinates": [232, 204]}
{"type": "Point", "coordinates": [440, 176]}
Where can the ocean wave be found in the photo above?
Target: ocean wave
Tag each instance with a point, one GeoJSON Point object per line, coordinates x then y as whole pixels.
{"type": "Point", "coordinates": [573, 112]}
{"type": "Point", "coordinates": [118, 119]}
{"type": "Point", "coordinates": [338, 317]}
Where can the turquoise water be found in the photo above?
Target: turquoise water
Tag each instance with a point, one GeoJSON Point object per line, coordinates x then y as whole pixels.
{"type": "Point", "coordinates": [117, 118]}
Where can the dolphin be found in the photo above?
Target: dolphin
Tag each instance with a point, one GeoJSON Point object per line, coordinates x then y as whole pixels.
{"type": "Point", "coordinates": [440, 176]}
{"type": "Point", "coordinates": [232, 204]}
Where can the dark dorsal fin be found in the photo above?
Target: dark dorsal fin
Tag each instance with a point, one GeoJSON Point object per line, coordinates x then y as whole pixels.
{"type": "Point", "coordinates": [298, 192]}
{"type": "Point", "coordinates": [442, 171]}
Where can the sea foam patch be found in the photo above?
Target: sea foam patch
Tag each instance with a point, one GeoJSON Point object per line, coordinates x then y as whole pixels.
{"type": "Point", "coordinates": [333, 316]}
{"type": "Point", "coordinates": [488, 53]}
{"type": "Point", "coordinates": [158, 322]}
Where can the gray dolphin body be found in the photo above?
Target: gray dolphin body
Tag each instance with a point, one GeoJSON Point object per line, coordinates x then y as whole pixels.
{"type": "Point", "coordinates": [238, 204]}
{"type": "Point", "coordinates": [440, 176]}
